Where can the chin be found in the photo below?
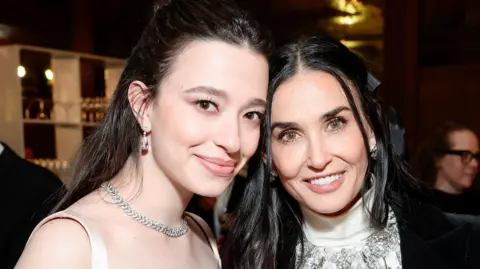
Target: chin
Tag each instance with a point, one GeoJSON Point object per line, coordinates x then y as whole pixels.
{"type": "Point", "coordinates": [465, 182]}
{"type": "Point", "coordinates": [331, 210]}
{"type": "Point", "coordinates": [210, 193]}
{"type": "Point", "coordinates": [210, 188]}
{"type": "Point", "coordinates": [321, 206]}
{"type": "Point", "coordinates": [465, 186]}
{"type": "Point", "coordinates": [330, 204]}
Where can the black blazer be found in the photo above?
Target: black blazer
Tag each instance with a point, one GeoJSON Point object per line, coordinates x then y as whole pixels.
{"type": "Point", "coordinates": [430, 239]}
{"type": "Point", "coordinates": [28, 194]}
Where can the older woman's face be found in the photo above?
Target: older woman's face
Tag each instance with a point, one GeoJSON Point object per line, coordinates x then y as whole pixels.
{"type": "Point", "coordinates": [454, 170]}
{"type": "Point", "coordinates": [317, 146]}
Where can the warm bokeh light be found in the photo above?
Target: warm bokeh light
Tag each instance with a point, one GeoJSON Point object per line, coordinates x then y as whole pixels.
{"type": "Point", "coordinates": [49, 74]}
{"type": "Point", "coordinates": [348, 6]}
{"type": "Point", "coordinates": [348, 20]}
{"type": "Point", "coordinates": [21, 71]}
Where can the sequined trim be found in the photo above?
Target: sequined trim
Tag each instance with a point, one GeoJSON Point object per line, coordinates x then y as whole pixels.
{"type": "Point", "coordinates": [381, 250]}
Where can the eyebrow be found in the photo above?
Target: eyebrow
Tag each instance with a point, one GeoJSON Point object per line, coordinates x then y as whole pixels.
{"type": "Point", "coordinates": [222, 94]}
{"type": "Point", "coordinates": [208, 90]}
{"type": "Point", "coordinates": [330, 114]}
{"type": "Point", "coordinates": [334, 112]}
{"type": "Point", "coordinates": [283, 125]}
{"type": "Point", "coordinates": [255, 102]}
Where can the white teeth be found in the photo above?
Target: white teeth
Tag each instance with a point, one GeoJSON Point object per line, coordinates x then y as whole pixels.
{"type": "Point", "coordinates": [326, 180]}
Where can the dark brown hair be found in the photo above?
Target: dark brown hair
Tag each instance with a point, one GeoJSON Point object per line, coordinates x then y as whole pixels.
{"type": "Point", "coordinates": [174, 25]}
{"type": "Point", "coordinates": [268, 221]}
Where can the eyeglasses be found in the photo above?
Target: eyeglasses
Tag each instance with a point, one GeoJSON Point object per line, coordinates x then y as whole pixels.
{"type": "Point", "coordinates": [466, 155]}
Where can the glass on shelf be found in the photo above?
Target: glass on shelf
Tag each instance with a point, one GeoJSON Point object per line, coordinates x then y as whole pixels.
{"type": "Point", "coordinates": [84, 107]}
{"type": "Point", "coordinates": [98, 109]}
{"type": "Point", "coordinates": [36, 86]}
{"type": "Point", "coordinates": [59, 167]}
{"type": "Point", "coordinates": [93, 109]}
{"type": "Point", "coordinates": [41, 110]}
{"type": "Point", "coordinates": [38, 108]}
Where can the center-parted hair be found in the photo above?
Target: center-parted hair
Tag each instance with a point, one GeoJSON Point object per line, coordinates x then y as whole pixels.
{"type": "Point", "coordinates": [268, 221]}
{"type": "Point", "coordinates": [173, 26]}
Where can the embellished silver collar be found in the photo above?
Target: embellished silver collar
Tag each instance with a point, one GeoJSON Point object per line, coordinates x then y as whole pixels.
{"type": "Point", "coordinates": [381, 250]}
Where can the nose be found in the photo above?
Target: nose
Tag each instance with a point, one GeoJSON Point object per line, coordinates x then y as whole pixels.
{"type": "Point", "coordinates": [318, 154]}
{"type": "Point", "coordinates": [228, 135]}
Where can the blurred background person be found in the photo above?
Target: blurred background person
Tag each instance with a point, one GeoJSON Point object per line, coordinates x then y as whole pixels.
{"type": "Point", "coordinates": [448, 162]}
{"type": "Point", "coordinates": [28, 194]}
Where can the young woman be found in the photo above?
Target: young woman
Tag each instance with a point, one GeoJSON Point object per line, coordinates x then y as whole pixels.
{"type": "Point", "coordinates": [332, 194]}
{"type": "Point", "coordinates": [184, 119]}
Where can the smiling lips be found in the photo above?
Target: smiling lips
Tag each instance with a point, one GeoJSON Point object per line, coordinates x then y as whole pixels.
{"type": "Point", "coordinates": [217, 166]}
{"type": "Point", "coordinates": [325, 184]}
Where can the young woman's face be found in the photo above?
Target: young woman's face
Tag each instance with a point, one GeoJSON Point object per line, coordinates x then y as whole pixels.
{"type": "Point", "coordinates": [317, 146]}
{"type": "Point", "coordinates": [206, 121]}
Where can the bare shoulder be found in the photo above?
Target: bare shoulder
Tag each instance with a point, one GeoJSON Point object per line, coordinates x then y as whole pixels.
{"type": "Point", "coordinates": [202, 227]}
{"type": "Point", "coordinates": [59, 243]}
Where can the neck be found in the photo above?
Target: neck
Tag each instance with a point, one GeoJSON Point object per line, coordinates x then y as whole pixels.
{"type": "Point", "coordinates": [444, 185]}
{"type": "Point", "coordinates": [351, 226]}
{"type": "Point", "coordinates": [151, 193]}
{"type": "Point", "coordinates": [346, 209]}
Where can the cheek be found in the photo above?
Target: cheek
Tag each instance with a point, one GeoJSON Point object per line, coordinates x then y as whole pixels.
{"type": "Point", "coordinates": [350, 148]}
{"type": "Point", "coordinates": [289, 159]}
{"type": "Point", "coordinates": [250, 139]}
{"type": "Point", "coordinates": [294, 188]}
{"type": "Point", "coordinates": [178, 123]}
{"type": "Point", "coordinates": [452, 166]}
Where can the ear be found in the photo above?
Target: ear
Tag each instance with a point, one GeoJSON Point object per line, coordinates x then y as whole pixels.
{"type": "Point", "coordinates": [264, 160]}
{"type": "Point", "coordinates": [138, 97]}
{"type": "Point", "coordinates": [264, 157]}
{"type": "Point", "coordinates": [372, 141]}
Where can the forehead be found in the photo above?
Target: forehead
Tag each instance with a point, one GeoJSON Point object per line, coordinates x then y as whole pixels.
{"type": "Point", "coordinates": [307, 94]}
{"type": "Point", "coordinates": [465, 140]}
{"type": "Point", "coordinates": [232, 68]}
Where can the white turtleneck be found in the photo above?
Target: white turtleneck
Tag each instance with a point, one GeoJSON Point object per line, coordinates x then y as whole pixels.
{"type": "Point", "coordinates": [339, 231]}
{"type": "Point", "coordinates": [1, 148]}
{"type": "Point", "coordinates": [350, 232]}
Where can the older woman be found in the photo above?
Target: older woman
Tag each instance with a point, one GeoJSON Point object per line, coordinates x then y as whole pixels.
{"type": "Point", "coordinates": [332, 193]}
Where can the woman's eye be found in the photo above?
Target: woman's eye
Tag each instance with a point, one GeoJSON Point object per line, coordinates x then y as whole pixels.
{"type": "Point", "coordinates": [207, 105]}
{"type": "Point", "coordinates": [335, 124]}
{"type": "Point", "coordinates": [254, 115]}
{"type": "Point", "coordinates": [288, 136]}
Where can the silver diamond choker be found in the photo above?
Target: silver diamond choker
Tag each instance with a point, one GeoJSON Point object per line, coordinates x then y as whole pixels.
{"type": "Point", "coordinates": [127, 209]}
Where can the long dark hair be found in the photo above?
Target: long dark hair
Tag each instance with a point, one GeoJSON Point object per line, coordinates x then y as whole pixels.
{"type": "Point", "coordinates": [433, 148]}
{"type": "Point", "coordinates": [268, 221]}
{"type": "Point", "coordinates": [173, 25]}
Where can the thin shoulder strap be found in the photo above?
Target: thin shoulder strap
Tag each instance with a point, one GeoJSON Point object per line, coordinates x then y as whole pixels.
{"type": "Point", "coordinates": [208, 235]}
{"type": "Point", "coordinates": [97, 245]}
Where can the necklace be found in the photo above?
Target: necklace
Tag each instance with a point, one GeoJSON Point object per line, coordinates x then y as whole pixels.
{"type": "Point", "coordinates": [127, 209]}
{"type": "Point", "coordinates": [373, 253]}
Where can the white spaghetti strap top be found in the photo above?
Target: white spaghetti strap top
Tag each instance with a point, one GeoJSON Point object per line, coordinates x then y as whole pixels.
{"type": "Point", "coordinates": [97, 246]}
{"type": "Point", "coordinates": [207, 232]}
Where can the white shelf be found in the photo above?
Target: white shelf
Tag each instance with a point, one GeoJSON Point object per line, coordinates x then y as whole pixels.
{"type": "Point", "coordinates": [51, 122]}
{"type": "Point", "coordinates": [60, 123]}
{"type": "Point", "coordinates": [89, 124]}
{"type": "Point", "coordinates": [66, 89]}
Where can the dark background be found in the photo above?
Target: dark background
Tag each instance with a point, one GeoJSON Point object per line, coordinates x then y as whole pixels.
{"type": "Point", "coordinates": [429, 56]}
